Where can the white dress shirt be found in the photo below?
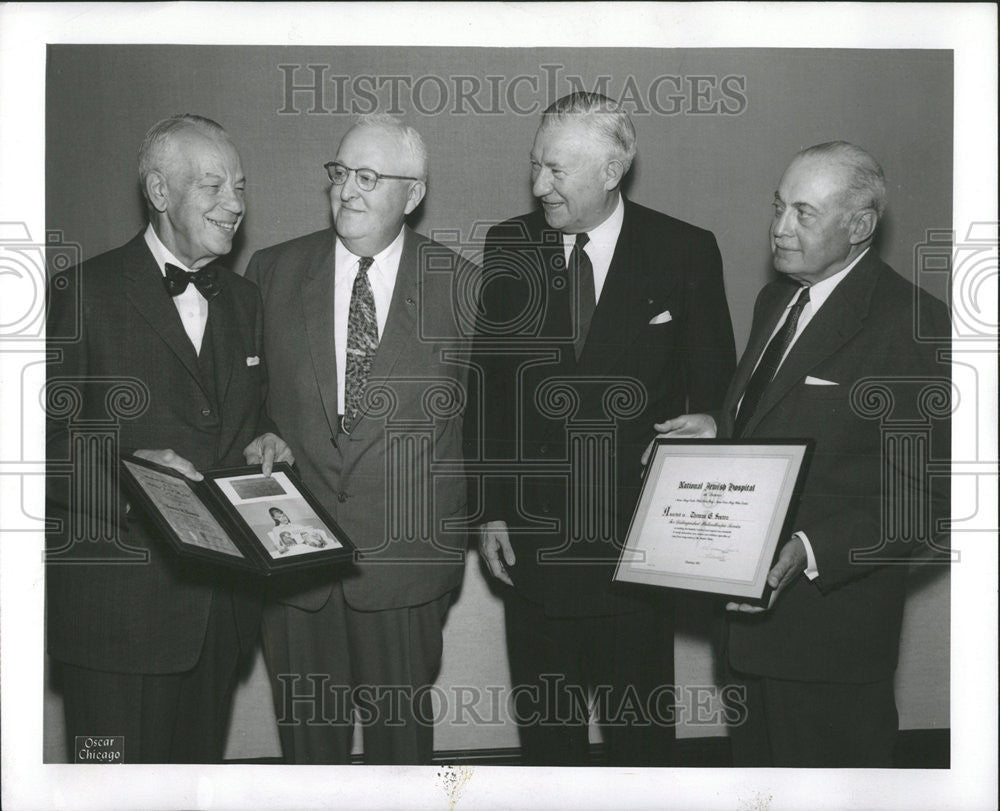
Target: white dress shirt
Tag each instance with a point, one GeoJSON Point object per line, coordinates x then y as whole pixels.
{"type": "Point", "coordinates": [191, 305]}
{"type": "Point", "coordinates": [601, 247]}
{"type": "Point", "coordinates": [818, 294]}
{"type": "Point", "coordinates": [382, 277]}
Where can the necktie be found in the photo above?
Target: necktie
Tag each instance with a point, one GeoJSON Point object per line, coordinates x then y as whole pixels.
{"type": "Point", "coordinates": [362, 341]}
{"type": "Point", "coordinates": [207, 280]}
{"type": "Point", "coordinates": [582, 275]}
{"type": "Point", "coordinates": [769, 362]}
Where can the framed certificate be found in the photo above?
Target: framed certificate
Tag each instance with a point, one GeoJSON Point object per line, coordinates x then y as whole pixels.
{"type": "Point", "coordinates": [238, 517]}
{"type": "Point", "coordinates": [712, 515]}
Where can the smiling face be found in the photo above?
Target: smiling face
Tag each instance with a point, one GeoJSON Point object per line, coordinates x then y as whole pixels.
{"type": "Point", "coordinates": [197, 194]}
{"type": "Point", "coordinates": [815, 230]}
{"type": "Point", "coordinates": [368, 221]}
{"type": "Point", "coordinates": [574, 176]}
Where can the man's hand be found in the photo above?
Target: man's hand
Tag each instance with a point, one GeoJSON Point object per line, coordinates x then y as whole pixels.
{"type": "Point", "coordinates": [791, 563]}
{"type": "Point", "coordinates": [267, 449]}
{"type": "Point", "coordinates": [168, 458]}
{"type": "Point", "coordinates": [686, 426]}
{"type": "Point", "coordinates": [494, 542]}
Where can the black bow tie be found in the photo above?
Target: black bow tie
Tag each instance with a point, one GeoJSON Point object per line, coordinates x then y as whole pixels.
{"type": "Point", "coordinates": [206, 280]}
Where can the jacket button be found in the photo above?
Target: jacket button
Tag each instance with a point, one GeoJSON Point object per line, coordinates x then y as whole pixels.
{"type": "Point", "coordinates": [341, 496]}
{"type": "Point", "coordinates": [546, 508]}
{"type": "Point", "coordinates": [544, 449]}
{"type": "Point", "coordinates": [206, 412]}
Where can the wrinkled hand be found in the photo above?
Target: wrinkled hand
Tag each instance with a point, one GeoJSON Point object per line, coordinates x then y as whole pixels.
{"type": "Point", "coordinates": [168, 458]}
{"type": "Point", "coordinates": [267, 449]}
{"type": "Point", "coordinates": [494, 542]}
{"type": "Point", "coordinates": [686, 426]}
{"type": "Point", "coordinates": [791, 563]}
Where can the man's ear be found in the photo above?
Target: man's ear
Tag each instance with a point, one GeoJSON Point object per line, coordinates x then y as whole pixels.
{"type": "Point", "coordinates": [416, 194]}
{"type": "Point", "coordinates": [614, 173]}
{"type": "Point", "coordinates": [863, 225]}
{"type": "Point", "coordinates": [156, 191]}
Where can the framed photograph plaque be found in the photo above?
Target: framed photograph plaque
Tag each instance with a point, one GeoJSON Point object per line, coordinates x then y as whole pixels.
{"type": "Point", "coordinates": [712, 514]}
{"type": "Point", "coordinates": [238, 517]}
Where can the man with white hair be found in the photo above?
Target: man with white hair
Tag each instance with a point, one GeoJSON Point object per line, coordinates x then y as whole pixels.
{"type": "Point", "coordinates": [363, 347]}
{"type": "Point", "coordinates": [148, 644]}
{"type": "Point", "coordinates": [838, 340]}
{"type": "Point", "coordinates": [599, 317]}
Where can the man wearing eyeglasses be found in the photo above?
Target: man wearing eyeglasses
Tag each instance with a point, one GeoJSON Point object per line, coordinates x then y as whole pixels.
{"type": "Point", "coordinates": [367, 384]}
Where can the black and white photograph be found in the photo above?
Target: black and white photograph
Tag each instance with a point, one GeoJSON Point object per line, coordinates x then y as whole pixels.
{"type": "Point", "coordinates": [492, 405]}
{"type": "Point", "coordinates": [278, 514]}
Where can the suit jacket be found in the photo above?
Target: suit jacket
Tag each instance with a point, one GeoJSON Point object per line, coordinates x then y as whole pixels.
{"type": "Point", "coordinates": [630, 375]}
{"type": "Point", "coordinates": [844, 626]}
{"type": "Point", "coordinates": [395, 483]}
{"type": "Point", "coordinates": [134, 369]}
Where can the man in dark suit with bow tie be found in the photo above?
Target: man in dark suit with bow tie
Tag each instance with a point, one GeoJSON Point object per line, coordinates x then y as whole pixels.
{"type": "Point", "coordinates": [368, 374]}
{"type": "Point", "coordinates": [155, 342]}
{"type": "Point", "coordinates": [600, 317]}
{"type": "Point", "coordinates": [846, 352]}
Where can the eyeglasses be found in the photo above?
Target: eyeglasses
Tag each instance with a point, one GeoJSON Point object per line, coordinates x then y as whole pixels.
{"type": "Point", "coordinates": [365, 178]}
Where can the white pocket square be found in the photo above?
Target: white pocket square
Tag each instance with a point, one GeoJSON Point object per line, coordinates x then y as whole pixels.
{"type": "Point", "coordinates": [818, 381]}
{"type": "Point", "coordinates": [254, 361]}
{"type": "Point", "coordinates": [662, 318]}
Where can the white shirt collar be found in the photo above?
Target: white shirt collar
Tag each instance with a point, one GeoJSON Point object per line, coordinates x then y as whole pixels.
{"type": "Point", "coordinates": [386, 261]}
{"type": "Point", "coordinates": [161, 253]}
{"type": "Point", "coordinates": [820, 291]}
{"type": "Point", "coordinates": [606, 234]}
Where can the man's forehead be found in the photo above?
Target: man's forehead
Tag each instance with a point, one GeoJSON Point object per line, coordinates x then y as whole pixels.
{"type": "Point", "coordinates": [811, 179]}
{"type": "Point", "coordinates": [565, 137]}
{"type": "Point", "coordinates": [202, 153]}
{"type": "Point", "coordinates": [371, 145]}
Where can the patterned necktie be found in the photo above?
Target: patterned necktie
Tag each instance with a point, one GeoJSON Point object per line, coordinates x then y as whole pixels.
{"type": "Point", "coordinates": [207, 280]}
{"type": "Point", "coordinates": [582, 275]}
{"type": "Point", "coordinates": [769, 362]}
{"type": "Point", "coordinates": [362, 341]}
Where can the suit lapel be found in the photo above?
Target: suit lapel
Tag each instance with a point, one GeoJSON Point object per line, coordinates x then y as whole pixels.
{"type": "Point", "coordinates": [618, 319]}
{"type": "Point", "coordinates": [317, 306]}
{"type": "Point", "coordinates": [145, 292]}
{"type": "Point", "coordinates": [772, 309]}
{"type": "Point", "coordinates": [224, 321]}
{"type": "Point", "coordinates": [838, 320]}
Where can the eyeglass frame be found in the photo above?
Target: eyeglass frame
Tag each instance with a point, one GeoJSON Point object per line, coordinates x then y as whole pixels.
{"type": "Point", "coordinates": [378, 175]}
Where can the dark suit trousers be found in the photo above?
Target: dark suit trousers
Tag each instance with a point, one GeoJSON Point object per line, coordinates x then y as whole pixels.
{"type": "Point", "coordinates": [622, 664]}
{"type": "Point", "coordinates": [327, 664]}
{"type": "Point", "coordinates": [819, 725]}
{"type": "Point", "coordinates": [165, 718]}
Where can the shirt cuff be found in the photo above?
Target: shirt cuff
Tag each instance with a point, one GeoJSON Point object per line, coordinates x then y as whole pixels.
{"type": "Point", "coordinates": [810, 571]}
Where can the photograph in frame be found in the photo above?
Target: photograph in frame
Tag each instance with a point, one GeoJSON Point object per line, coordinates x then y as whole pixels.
{"type": "Point", "coordinates": [277, 512]}
{"type": "Point", "coordinates": [238, 517]}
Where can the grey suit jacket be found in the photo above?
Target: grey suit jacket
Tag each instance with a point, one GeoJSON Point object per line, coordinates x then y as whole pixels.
{"type": "Point", "coordinates": [395, 484]}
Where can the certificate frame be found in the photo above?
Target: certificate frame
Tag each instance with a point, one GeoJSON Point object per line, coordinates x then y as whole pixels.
{"type": "Point", "coordinates": [230, 517]}
{"type": "Point", "coordinates": [712, 513]}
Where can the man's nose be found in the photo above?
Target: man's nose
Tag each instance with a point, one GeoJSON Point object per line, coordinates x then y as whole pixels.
{"type": "Point", "coordinates": [233, 202]}
{"type": "Point", "coordinates": [781, 223]}
{"type": "Point", "coordinates": [349, 188]}
{"type": "Point", "coordinates": [542, 184]}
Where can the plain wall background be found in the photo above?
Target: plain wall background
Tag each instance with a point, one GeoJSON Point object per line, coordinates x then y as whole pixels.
{"type": "Point", "coordinates": [718, 171]}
